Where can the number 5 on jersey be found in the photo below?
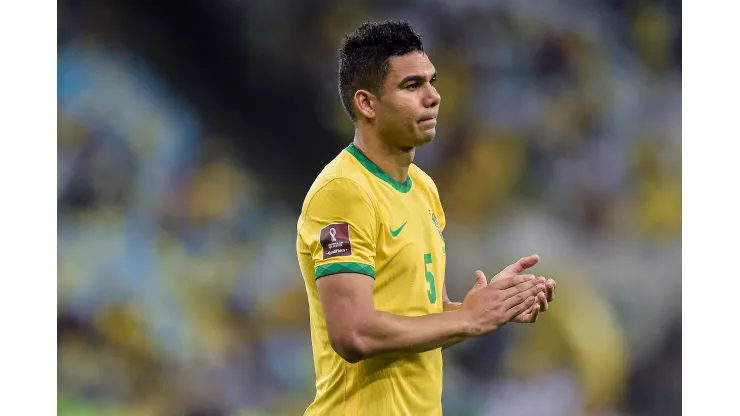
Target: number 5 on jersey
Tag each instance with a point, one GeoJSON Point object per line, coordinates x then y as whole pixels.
{"type": "Point", "coordinates": [432, 290]}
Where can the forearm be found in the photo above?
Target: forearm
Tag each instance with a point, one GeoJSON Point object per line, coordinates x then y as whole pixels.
{"type": "Point", "coordinates": [388, 334]}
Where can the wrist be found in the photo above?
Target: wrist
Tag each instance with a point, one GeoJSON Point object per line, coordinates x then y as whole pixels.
{"type": "Point", "coordinates": [467, 327]}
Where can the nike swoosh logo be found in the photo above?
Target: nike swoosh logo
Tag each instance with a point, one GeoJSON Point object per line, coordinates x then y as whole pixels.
{"type": "Point", "coordinates": [397, 231]}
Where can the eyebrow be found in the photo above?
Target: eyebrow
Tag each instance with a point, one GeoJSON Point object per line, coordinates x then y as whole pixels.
{"type": "Point", "coordinates": [416, 78]}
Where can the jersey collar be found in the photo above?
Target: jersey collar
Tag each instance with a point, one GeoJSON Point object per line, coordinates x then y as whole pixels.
{"type": "Point", "coordinates": [375, 170]}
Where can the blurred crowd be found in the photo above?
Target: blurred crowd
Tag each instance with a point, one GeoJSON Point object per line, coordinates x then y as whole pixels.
{"type": "Point", "coordinates": [189, 132]}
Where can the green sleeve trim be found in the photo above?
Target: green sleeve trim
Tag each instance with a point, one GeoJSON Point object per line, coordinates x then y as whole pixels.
{"type": "Point", "coordinates": [345, 267]}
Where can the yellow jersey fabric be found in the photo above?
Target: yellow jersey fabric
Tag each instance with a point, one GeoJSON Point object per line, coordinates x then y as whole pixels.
{"type": "Point", "coordinates": [356, 218]}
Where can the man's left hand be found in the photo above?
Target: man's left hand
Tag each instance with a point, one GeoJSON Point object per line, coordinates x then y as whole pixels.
{"type": "Point", "coordinates": [544, 299]}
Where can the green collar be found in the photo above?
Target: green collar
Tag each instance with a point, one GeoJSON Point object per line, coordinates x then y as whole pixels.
{"type": "Point", "coordinates": [375, 170]}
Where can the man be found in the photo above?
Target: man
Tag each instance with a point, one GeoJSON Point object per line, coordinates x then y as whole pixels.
{"type": "Point", "coordinates": [371, 250]}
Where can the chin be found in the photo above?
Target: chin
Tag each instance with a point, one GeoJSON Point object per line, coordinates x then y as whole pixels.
{"type": "Point", "coordinates": [427, 136]}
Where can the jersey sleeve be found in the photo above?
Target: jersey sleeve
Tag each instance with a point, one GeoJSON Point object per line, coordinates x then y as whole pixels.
{"type": "Point", "coordinates": [340, 229]}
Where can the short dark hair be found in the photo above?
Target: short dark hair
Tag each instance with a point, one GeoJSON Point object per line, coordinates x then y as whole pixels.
{"type": "Point", "coordinates": [364, 57]}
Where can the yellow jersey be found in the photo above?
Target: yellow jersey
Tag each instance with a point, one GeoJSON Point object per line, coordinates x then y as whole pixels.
{"type": "Point", "coordinates": [356, 218]}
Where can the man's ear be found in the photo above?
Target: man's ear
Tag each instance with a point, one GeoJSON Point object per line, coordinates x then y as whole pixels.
{"type": "Point", "coordinates": [365, 103]}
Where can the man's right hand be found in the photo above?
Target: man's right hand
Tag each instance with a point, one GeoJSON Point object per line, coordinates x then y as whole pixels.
{"type": "Point", "coordinates": [488, 307]}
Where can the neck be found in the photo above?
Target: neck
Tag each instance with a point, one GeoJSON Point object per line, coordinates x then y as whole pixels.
{"type": "Point", "coordinates": [393, 160]}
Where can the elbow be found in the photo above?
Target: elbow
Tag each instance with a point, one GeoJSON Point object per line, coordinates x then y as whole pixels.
{"type": "Point", "coordinates": [350, 346]}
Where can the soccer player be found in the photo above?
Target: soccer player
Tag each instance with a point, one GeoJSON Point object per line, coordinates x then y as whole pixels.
{"type": "Point", "coordinates": [371, 249]}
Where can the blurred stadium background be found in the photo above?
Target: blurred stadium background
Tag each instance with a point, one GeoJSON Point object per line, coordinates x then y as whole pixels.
{"type": "Point", "coordinates": [190, 131]}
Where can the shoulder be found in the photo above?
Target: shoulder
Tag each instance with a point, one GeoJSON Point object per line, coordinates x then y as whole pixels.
{"type": "Point", "coordinates": [338, 195]}
{"type": "Point", "coordinates": [340, 192]}
{"type": "Point", "coordinates": [427, 185]}
{"type": "Point", "coordinates": [340, 180]}
{"type": "Point", "coordinates": [339, 189]}
{"type": "Point", "coordinates": [423, 179]}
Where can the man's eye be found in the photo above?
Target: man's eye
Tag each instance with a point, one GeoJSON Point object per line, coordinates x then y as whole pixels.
{"type": "Point", "coordinates": [412, 87]}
